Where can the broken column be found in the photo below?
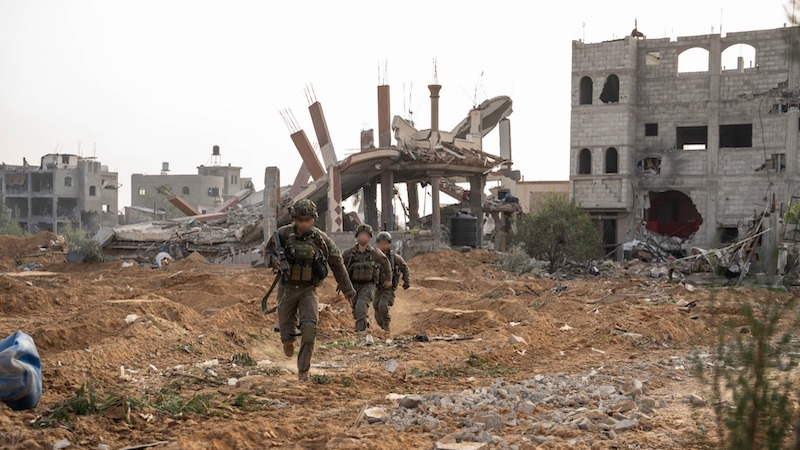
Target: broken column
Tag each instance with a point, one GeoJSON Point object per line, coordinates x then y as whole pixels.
{"type": "Point", "coordinates": [505, 141]}
{"type": "Point", "coordinates": [476, 186]}
{"type": "Point", "coordinates": [436, 216]}
{"type": "Point", "coordinates": [272, 199]}
{"type": "Point", "coordinates": [385, 140]}
{"type": "Point", "coordinates": [367, 139]}
{"type": "Point", "coordinates": [306, 151]}
{"type": "Point", "coordinates": [413, 205]}
{"type": "Point", "coordinates": [323, 136]}
{"type": "Point", "coordinates": [370, 200]}
{"type": "Point", "coordinates": [300, 181]}
{"type": "Point", "coordinates": [334, 219]}
{"type": "Point", "coordinates": [387, 205]}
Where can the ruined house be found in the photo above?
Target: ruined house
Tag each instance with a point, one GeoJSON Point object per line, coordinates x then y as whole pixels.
{"type": "Point", "coordinates": [62, 190]}
{"type": "Point", "coordinates": [685, 138]}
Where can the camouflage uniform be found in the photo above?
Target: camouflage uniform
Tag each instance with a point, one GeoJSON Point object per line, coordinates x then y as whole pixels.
{"type": "Point", "coordinates": [385, 298]}
{"type": "Point", "coordinates": [297, 290]}
{"type": "Point", "coordinates": [366, 269]}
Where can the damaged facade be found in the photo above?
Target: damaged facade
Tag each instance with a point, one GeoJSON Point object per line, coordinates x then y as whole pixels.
{"type": "Point", "coordinates": [62, 190]}
{"type": "Point", "coordinates": [691, 154]}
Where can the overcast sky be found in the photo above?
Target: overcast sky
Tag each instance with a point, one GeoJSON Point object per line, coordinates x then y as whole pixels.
{"type": "Point", "coordinates": [152, 81]}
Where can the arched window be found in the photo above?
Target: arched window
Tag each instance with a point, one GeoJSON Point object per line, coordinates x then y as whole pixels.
{"type": "Point", "coordinates": [693, 60]}
{"type": "Point", "coordinates": [585, 162]}
{"type": "Point", "coordinates": [92, 191]}
{"type": "Point", "coordinates": [585, 91]}
{"type": "Point", "coordinates": [67, 181]}
{"type": "Point", "coordinates": [612, 160]}
{"type": "Point", "coordinates": [610, 92]}
{"type": "Point", "coordinates": [738, 57]}
{"type": "Point", "coordinates": [186, 190]}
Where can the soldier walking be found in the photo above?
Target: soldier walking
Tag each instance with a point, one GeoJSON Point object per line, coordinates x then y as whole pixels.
{"type": "Point", "coordinates": [368, 268]}
{"type": "Point", "coordinates": [398, 267]}
{"type": "Point", "coordinates": [309, 252]}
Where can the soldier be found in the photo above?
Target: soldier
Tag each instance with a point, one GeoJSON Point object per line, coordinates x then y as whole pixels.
{"type": "Point", "coordinates": [308, 250]}
{"type": "Point", "coordinates": [367, 267]}
{"type": "Point", "coordinates": [385, 298]}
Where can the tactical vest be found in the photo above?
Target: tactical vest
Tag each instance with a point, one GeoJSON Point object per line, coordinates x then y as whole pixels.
{"type": "Point", "coordinates": [301, 251]}
{"type": "Point", "coordinates": [361, 268]}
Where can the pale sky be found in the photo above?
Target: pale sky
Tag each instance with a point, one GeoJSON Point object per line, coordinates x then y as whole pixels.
{"type": "Point", "coordinates": [152, 81]}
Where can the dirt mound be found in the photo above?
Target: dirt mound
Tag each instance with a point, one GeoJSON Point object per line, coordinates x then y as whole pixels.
{"type": "Point", "coordinates": [439, 321]}
{"type": "Point", "coordinates": [194, 260]}
{"type": "Point", "coordinates": [13, 249]}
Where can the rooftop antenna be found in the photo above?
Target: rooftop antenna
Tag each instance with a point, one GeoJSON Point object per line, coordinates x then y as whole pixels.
{"type": "Point", "coordinates": [583, 39]}
{"type": "Point", "coordinates": [435, 72]}
{"type": "Point", "coordinates": [478, 89]}
{"type": "Point", "coordinates": [79, 147]}
{"type": "Point", "coordinates": [720, 21]}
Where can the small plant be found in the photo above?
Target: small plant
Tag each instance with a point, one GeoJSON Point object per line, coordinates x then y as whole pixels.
{"type": "Point", "coordinates": [517, 261]}
{"type": "Point", "coordinates": [347, 382]}
{"type": "Point", "coordinates": [321, 379]}
{"type": "Point", "coordinates": [171, 402]}
{"type": "Point", "coordinates": [341, 344]}
{"type": "Point", "coordinates": [87, 402]}
{"type": "Point", "coordinates": [79, 244]}
{"type": "Point", "coordinates": [243, 359]}
{"type": "Point", "coordinates": [8, 225]}
{"type": "Point", "coordinates": [246, 402]}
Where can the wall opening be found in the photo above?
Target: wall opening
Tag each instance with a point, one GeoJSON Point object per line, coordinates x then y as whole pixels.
{"type": "Point", "coordinates": [213, 192]}
{"type": "Point", "coordinates": [728, 235]}
{"type": "Point", "coordinates": [585, 91]}
{"type": "Point", "coordinates": [673, 214]}
{"type": "Point", "coordinates": [92, 191]}
{"type": "Point", "coordinates": [612, 160]}
{"type": "Point", "coordinates": [105, 208]}
{"type": "Point", "coordinates": [650, 165]}
{"type": "Point", "coordinates": [585, 162]}
{"type": "Point", "coordinates": [776, 163]}
{"type": "Point", "coordinates": [142, 192]}
{"type": "Point", "coordinates": [693, 60]}
{"type": "Point", "coordinates": [651, 129]}
{"type": "Point", "coordinates": [610, 92]}
{"type": "Point", "coordinates": [736, 136]}
{"type": "Point", "coordinates": [739, 57]}
{"type": "Point", "coordinates": [185, 190]}
{"type": "Point", "coordinates": [67, 181]}
{"type": "Point", "coordinates": [652, 58]}
{"type": "Point", "coordinates": [609, 235]}
{"type": "Point", "coordinates": [691, 138]}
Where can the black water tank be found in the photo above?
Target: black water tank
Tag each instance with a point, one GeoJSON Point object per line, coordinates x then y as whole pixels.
{"type": "Point", "coordinates": [464, 230]}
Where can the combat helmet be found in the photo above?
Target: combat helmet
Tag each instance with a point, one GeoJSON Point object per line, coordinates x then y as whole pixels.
{"type": "Point", "coordinates": [384, 236]}
{"type": "Point", "coordinates": [364, 228]}
{"type": "Point", "coordinates": [303, 207]}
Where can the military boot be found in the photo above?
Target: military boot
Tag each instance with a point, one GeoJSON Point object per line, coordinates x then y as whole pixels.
{"type": "Point", "coordinates": [302, 376]}
{"type": "Point", "coordinates": [288, 349]}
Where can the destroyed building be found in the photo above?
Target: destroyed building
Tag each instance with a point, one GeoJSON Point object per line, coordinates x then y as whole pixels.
{"type": "Point", "coordinates": [200, 193]}
{"type": "Point", "coordinates": [685, 138]}
{"type": "Point", "coordinates": [62, 190]}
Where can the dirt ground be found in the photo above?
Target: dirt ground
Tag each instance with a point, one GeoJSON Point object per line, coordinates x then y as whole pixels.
{"type": "Point", "coordinates": [193, 333]}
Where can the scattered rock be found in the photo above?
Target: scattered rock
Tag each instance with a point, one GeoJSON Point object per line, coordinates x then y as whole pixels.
{"type": "Point", "coordinates": [103, 447]}
{"type": "Point", "coordinates": [411, 401]}
{"type": "Point", "coordinates": [583, 423]}
{"type": "Point", "coordinates": [566, 327]}
{"type": "Point", "coordinates": [429, 423]}
{"type": "Point", "coordinates": [460, 445]}
{"type": "Point", "coordinates": [603, 391]}
{"type": "Point", "coordinates": [490, 421]}
{"type": "Point", "coordinates": [625, 425]}
{"type": "Point", "coordinates": [625, 406]}
{"type": "Point", "coordinates": [526, 407]}
{"type": "Point", "coordinates": [130, 318]}
{"type": "Point", "coordinates": [697, 401]}
{"type": "Point", "coordinates": [689, 287]}
{"type": "Point", "coordinates": [232, 381]}
{"type": "Point", "coordinates": [390, 365]}
{"type": "Point", "coordinates": [61, 444]}
{"type": "Point", "coordinates": [369, 340]}
{"type": "Point", "coordinates": [375, 415]}
{"type": "Point", "coordinates": [514, 340]}
{"type": "Point", "coordinates": [483, 436]}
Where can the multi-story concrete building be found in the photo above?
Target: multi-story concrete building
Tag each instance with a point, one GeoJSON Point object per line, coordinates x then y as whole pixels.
{"type": "Point", "coordinates": [659, 146]}
{"type": "Point", "coordinates": [204, 191]}
{"type": "Point", "coordinates": [62, 190]}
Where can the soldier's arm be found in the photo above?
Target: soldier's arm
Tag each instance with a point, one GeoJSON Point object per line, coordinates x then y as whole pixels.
{"type": "Point", "coordinates": [338, 268]}
{"type": "Point", "coordinates": [386, 269]}
{"type": "Point", "coordinates": [403, 266]}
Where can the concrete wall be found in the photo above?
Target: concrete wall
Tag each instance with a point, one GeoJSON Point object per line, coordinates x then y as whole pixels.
{"type": "Point", "coordinates": [198, 196]}
{"type": "Point", "coordinates": [531, 193]}
{"type": "Point", "coordinates": [723, 183]}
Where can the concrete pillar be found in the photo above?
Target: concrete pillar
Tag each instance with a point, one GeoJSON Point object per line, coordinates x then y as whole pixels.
{"type": "Point", "coordinates": [712, 148]}
{"type": "Point", "coordinates": [334, 215]}
{"type": "Point", "coordinates": [367, 139]}
{"type": "Point", "coordinates": [306, 151]}
{"type": "Point", "coordinates": [323, 136]}
{"type": "Point", "coordinates": [272, 198]}
{"type": "Point", "coordinates": [505, 141]}
{"type": "Point", "coordinates": [434, 88]}
{"type": "Point", "coordinates": [55, 212]}
{"type": "Point", "coordinates": [792, 119]}
{"type": "Point", "coordinates": [436, 217]}
{"type": "Point", "coordinates": [371, 203]}
{"type": "Point", "coordinates": [476, 186]}
{"type": "Point", "coordinates": [384, 117]}
{"type": "Point", "coordinates": [413, 205]}
{"type": "Point", "coordinates": [300, 180]}
{"type": "Point", "coordinates": [387, 205]}
{"type": "Point", "coordinates": [30, 202]}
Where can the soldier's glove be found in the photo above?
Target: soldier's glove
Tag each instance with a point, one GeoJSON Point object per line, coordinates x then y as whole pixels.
{"type": "Point", "coordinates": [406, 285]}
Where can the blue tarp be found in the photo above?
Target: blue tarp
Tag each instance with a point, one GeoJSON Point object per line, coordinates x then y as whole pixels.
{"type": "Point", "coordinates": [20, 372]}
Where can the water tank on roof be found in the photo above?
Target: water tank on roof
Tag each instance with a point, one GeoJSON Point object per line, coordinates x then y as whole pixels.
{"type": "Point", "coordinates": [464, 230]}
{"type": "Point", "coordinates": [215, 151]}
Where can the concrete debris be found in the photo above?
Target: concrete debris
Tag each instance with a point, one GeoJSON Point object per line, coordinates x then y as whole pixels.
{"type": "Point", "coordinates": [565, 328]}
{"type": "Point", "coordinates": [515, 340]}
{"type": "Point", "coordinates": [163, 259]}
{"type": "Point", "coordinates": [460, 445]}
{"type": "Point", "coordinates": [127, 264]}
{"type": "Point", "coordinates": [130, 318]}
{"type": "Point", "coordinates": [489, 420]}
{"type": "Point", "coordinates": [390, 365]}
{"type": "Point", "coordinates": [64, 443]}
{"type": "Point", "coordinates": [697, 401]}
{"type": "Point", "coordinates": [411, 401]}
{"type": "Point", "coordinates": [375, 415]}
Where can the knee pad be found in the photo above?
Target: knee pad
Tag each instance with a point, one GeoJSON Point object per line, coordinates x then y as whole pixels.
{"type": "Point", "coordinates": [308, 332]}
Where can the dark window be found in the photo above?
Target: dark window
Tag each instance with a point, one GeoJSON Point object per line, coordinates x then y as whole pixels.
{"type": "Point", "coordinates": [692, 138]}
{"type": "Point", "coordinates": [728, 235]}
{"type": "Point", "coordinates": [736, 136]}
{"type": "Point", "coordinates": [610, 92]}
{"type": "Point", "coordinates": [586, 91]}
{"type": "Point", "coordinates": [64, 159]}
{"type": "Point", "coordinates": [68, 182]}
{"type": "Point", "coordinates": [651, 129]}
{"type": "Point", "coordinates": [612, 160]}
{"type": "Point", "coordinates": [778, 162]}
{"type": "Point", "coordinates": [185, 190]}
{"type": "Point", "coordinates": [92, 191]}
{"type": "Point", "coordinates": [585, 162]}
{"type": "Point", "coordinates": [650, 165]}
{"type": "Point", "coordinates": [213, 192]}
{"type": "Point", "coordinates": [142, 192]}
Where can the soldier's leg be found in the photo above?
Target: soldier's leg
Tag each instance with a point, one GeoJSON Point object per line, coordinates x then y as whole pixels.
{"type": "Point", "coordinates": [389, 301]}
{"type": "Point", "coordinates": [366, 293]}
{"type": "Point", "coordinates": [287, 316]}
{"type": "Point", "coordinates": [381, 307]}
{"type": "Point", "coordinates": [309, 315]}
